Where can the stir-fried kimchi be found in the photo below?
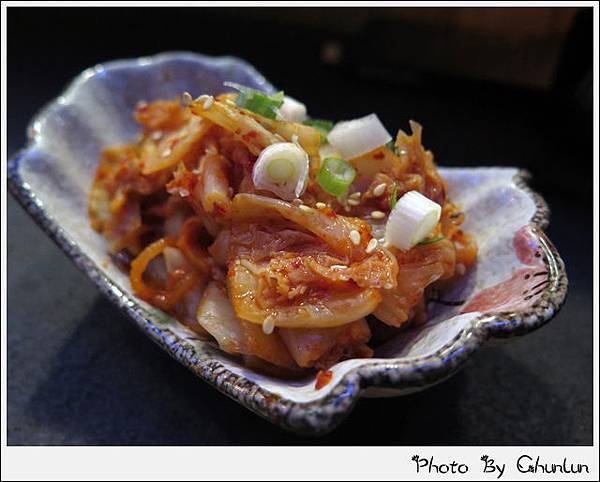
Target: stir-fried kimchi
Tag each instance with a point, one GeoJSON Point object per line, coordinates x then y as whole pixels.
{"type": "Point", "coordinates": [288, 241]}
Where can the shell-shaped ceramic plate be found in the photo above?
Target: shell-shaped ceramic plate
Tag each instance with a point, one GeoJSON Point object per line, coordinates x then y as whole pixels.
{"type": "Point", "coordinates": [519, 282]}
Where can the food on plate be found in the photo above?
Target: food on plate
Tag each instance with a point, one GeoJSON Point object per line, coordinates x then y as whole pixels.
{"type": "Point", "coordinates": [284, 239]}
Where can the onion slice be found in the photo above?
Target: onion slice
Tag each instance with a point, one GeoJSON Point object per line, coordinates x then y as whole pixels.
{"type": "Point", "coordinates": [359, 136]}
{"type": "Point", "coordinates": [282, 169]}
{"type": "Point", "coordinates": [414, 216]}
{"type": "Point", "coordinates": [292, 110]}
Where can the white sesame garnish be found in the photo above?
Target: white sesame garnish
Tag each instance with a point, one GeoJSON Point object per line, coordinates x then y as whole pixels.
{"type": "Point", "coordinates": [305, 208]}
{"type": "Point", "coordinates": [295, 138]}
{"type": "Point", "coordinates": [353, 202]}
{"type": "Point", "coordinates": [379, 189]}
{"type": "Point", "coordinates": [355, 237]}
{"type": "Point", "coordinates": [403, 152]}
{"type": "Point", "coordinates": [142, 104]}
{"type": "Point", "coordinates": [338, 266]}
{"type": "Point", "coordinates": [268, 325]}
{"type": "Point", "coordinates": [166, 152]}
{"type": "Point", "coordinates": [320, 205]}
{"type": "Point", "coordinates": [208, 102]}
{"type": "Point", "coordinates": [377, 214]}
{"type": "Point", "coordinates": [187, 98]}
{"type": "Point", "coordinates": [347, 209]}
{"type": "Point", "coordinates": [371, 246]}
{"type": "Point", "coordinates": [156, 135]}
{"type": "Point", "coordinates": [388, 286]}
{"type": "Point", "coordinates": [355, 195]}
{"type": "Point", "coordinates": [297, 202]}
{"type": "Point", "coordinates": [183, 192]}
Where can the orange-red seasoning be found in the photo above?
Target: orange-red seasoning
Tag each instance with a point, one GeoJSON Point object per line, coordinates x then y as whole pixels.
{"type": "Point", "coordinates": [323, 378]}
{"type": "Point", "coordinates": [330, 213]}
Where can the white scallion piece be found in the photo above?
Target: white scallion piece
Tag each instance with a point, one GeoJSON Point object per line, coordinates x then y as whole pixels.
{"type": "Point", "coordinates": [292, 110]}
{"type": "Point", "coordinates": [359, 136]}
{"type": "Point", "coordinates": [414, 216]}
{"type": "Point", "coordinates": [282, 169]}
{"type": "Point", "coordinates": [327, 150]}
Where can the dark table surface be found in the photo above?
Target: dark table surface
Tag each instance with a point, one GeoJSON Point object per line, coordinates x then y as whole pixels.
{"type": "Point", "coordinates": [79, 372]}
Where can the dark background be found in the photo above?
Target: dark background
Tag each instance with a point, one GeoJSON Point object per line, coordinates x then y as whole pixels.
{"type": "Point", "coordinates": [491, 86]}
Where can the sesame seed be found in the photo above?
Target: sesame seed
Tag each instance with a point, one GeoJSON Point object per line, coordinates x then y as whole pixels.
{"type": "Point", "coordinates": [347, 209]}
{"type": "Point", "coordinates": [338, 266]}
{"type": "Point", "coordinates": [295, 138]}
{"type": "Point", "coordinates": [403, 152]}
{"type": "Point", "coordinates": [379, 189]}
{"type": "Point", "coordinates": [388, 286]}
{"type": "Point", "coordinates": [183, 192]}
{"type": "Point", "coordinates": [208, 102]}
{"type": "Point", "coordinates": [166, 152]}
{"type": "Point", "coordinates": [305, 208]}
{"type": "Point", "coordinates": [355, 237]}
{"type": "Point", "coordinates": [268, 325]}
{"type": "Point", "coordinates": [201, 98]}
{"type": "Point", "coordinates": [320, 205]}
{"type": "Point", "coordinates": [377, 214]}
{"type": "Point", "coordinates": [371, 246]}
{"type": "Point", "coordinates": [187, 98]}
{"type": "Point", "coordinates": [353, 202]}
{"type": "Point", "coordinates": [157, 135]}
{"type": "Point", "coordinates": [355, 195]}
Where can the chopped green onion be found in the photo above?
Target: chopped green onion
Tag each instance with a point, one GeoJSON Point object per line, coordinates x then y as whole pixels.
{"type": "Point", "coordinates": [335, 176]}
{"type": "Point", "coordinates": [356, 137]}
{"type": "Point", "coordinates": [432, 240]}
{"type": "Point", "coordinates": [281, 169]}
{"type": "Point", "coordinates": [257, 101]}
{"type": "Point", "coordinates": [394, 197]}
{"type": "Point", "coordinates": [412, 220]}
{"type": "Point", "coordinates": [322, 125]}
{"type": "Point", "coordinates": [392, 147]}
